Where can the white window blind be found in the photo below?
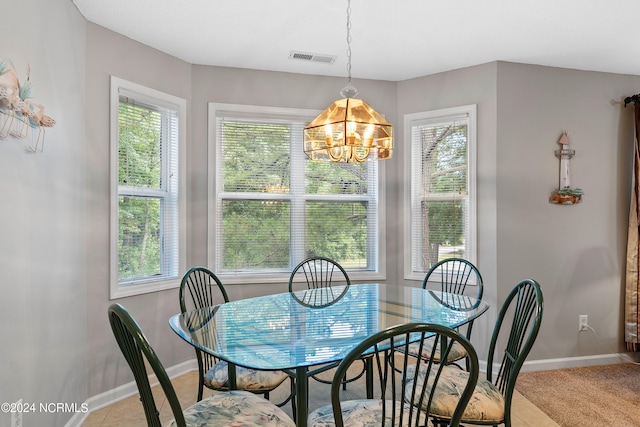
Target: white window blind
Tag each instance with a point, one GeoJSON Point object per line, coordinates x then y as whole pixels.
{"type": "Point", "coordinates": [274, 207]}
{"type": "Point", "coordinates": [147, 209]}
{"type": "Point", "coordinates": [442, 222]}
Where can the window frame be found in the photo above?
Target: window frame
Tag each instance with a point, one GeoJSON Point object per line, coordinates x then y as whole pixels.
{"type": "Point", "coordinates": [153, 97]}
{"type": "Point", "coordinates": [434, 116]}
{"type": "Point", "coordinates": [214, 186]}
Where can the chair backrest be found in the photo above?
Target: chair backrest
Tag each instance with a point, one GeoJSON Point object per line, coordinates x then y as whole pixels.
{"type": "Point", "coordinates": [136, 348]}
{"type": "Point", "coordinates": [199, 288]}
{"type": "Point", "coordinates": [318, 281]}
{"type": "Point", "coordinates": [516, 329]}
{"type": "Point", "coordinates": [455, 275]}
{"type": "Point", "coordinates": [407, 385]}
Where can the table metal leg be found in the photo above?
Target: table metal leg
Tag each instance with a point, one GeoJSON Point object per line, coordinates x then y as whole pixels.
{"type": "Point", "coordinates": [231, 372]}
{"type": "Point", "coordinates": [302, 397]}
{"type": "Point", "coordinates": [443, 348]}
{"type": "Point", "coordinates": [369, 376]}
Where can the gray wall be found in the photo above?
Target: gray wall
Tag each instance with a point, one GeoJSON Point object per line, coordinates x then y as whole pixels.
{"type": "Point", "coordinates": [43, 309]}
{"type": "Point", "coordinates": [474, 85]}
{"type": "Point", "coordinates": [576, 252]}
{"type": "Point", "coordinates": [111, 54]}
{"type": "Point", "coordinates": [55, 212]}
{"type": "Point", "coordinates": [238, 86]}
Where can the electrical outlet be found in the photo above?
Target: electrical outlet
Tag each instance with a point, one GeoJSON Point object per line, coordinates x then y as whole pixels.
{"type": "Point", "coordinates": [583, 322]}
{"type": "Point", "coordinates": [16, 416]}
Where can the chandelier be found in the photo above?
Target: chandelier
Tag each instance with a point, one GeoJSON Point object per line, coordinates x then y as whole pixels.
{"type": "Point", "coordinates": [348, 130]}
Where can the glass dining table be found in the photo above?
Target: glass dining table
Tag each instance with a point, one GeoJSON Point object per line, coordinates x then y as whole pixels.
{"type": "Point", "coordinates": [303, 332]}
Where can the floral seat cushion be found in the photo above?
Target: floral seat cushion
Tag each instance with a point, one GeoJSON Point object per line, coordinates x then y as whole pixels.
{"type": "Point", "coordinates": [359, 413]}
{"type": "Point", "coordinates": [486, 404]}
{"type": "Point", "coordinates": [246, 379]}
{"type": "Point", "coordinates": [235, 408]}
{"type": "Point", "coordinates": [457, 352]}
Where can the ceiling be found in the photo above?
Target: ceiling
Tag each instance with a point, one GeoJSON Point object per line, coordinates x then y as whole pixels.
{"type": "Point", "coordinates": [390, 40]}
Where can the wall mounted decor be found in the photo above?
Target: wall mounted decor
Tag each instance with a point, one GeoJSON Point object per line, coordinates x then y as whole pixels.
{"type": "Point", "coordinates": [19, 116]}
{"type": "Point", "coordinates": [565, 195]}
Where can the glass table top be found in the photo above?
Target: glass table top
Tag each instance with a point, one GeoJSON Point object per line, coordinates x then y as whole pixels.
{"type": "Point", "coordinates": [311, 327]}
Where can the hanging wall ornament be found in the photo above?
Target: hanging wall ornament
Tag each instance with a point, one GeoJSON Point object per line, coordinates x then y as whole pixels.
{"type": "Point", "coordinates": [565, 195]}
{"type": "Point", "coordinates": [19, 116]}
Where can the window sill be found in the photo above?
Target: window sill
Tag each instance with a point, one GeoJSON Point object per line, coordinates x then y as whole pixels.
{"type": "Point", "coordinates": [123, 291]}
{"type": "Point", "coordinates": [253, 278]}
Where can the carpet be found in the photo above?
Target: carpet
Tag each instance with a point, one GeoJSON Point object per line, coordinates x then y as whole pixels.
{"type": "Point", "coordinates": [599, 396]}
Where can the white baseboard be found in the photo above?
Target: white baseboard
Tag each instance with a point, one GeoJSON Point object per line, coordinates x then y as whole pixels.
{"type": "Point", "coordinates": [576, 362]}
{"type": "Point", "coordinates": [126, 390]}
{"type": "Point", "coordinates": [569, 362]}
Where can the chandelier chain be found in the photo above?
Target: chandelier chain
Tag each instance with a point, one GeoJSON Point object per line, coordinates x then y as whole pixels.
{"type": "Point", "coordinates": [348, 41]}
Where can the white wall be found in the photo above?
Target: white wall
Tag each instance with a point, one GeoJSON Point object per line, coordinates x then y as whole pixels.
{"type": "Point", "coordinates": [42, 269]}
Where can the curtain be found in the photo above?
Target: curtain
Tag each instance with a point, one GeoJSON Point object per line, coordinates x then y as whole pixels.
{"type": "Point", "coordinates": [632, 310]}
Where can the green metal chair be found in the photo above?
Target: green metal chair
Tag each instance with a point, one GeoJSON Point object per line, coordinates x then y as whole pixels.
{"type": "Point", "coordinates": [398, 400]}
{"type": "Point", "coordinates": [517, 325]}
{"type": "Point", "coordinates": [455, 276]}
{"type": "Point", "coordinates": [320, 282]}
{"type": "Point", "coordinates": [318, 274]}
{"type": "Point", "coordinates": [201, 288]}
{"type": "Point", "coordinates": [235, 407]}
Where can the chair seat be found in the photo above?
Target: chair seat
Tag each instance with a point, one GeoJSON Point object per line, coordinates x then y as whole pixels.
{"type": "Point", "coordinates": [486, 405]}
{"type": "Point", "coordinates": [235, 408]}
{"type": "Point", "coordinates": [359, 413]}
{"type": "Point", "coordinates": [457, 352]}
{"type": "Point", "coordinates": [246, 379]}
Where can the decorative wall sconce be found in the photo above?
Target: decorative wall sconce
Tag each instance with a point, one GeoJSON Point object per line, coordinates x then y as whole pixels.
{"type": "Point", "coordinates": [18, 114]}
{"type": "Point", "coordinates": [565, 195]}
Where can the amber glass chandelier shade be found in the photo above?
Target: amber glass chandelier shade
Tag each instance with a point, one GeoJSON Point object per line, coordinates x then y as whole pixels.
{"type": "Point", "coordinates": [349, 130]}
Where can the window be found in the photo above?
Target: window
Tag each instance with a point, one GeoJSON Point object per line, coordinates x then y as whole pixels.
{"type": "Point", "coordinates": [147, 197]}
{"type": "Point", "coordinates": [272, 206]}
{"type": "Point", "coordinates": [442, 188]}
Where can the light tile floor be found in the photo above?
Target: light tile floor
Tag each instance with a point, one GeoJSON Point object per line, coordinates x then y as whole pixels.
{"type": "Point", "coordinates": [129, 413]}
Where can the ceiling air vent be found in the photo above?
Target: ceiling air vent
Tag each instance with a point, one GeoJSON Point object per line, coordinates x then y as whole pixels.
{"type": "Point", "coordinates": [312, 57]}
